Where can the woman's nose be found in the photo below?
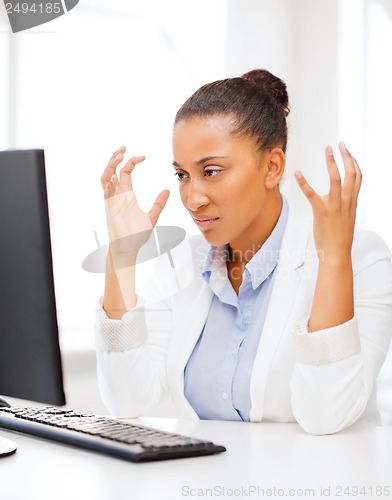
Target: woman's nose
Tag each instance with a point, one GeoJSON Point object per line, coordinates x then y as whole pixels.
{"type": "Point", "coordinates": [196, 196]}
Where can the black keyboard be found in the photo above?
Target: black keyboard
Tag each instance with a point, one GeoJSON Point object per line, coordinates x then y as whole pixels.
{"type": "Point", "coordinates": [104, 434]}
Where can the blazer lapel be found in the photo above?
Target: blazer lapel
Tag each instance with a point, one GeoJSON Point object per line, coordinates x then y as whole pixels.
{"type": "Point", "coordinates": [191, 312]}
{"type": "Point", "coordinates": [287, 279]}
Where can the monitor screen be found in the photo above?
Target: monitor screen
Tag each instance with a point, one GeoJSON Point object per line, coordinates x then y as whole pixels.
{"type": "Point", "coordinates": [30, 362]}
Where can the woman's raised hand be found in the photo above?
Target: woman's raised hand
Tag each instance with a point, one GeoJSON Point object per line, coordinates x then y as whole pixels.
{"type": "Point", "coordinates": [128, 226]}
{"type": "Point", "coordinates": [334, 213]}
{"type": "Point", "coordinates": [333, 229]}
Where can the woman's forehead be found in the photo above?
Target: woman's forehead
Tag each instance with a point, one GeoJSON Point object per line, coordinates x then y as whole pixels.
{"type": "Point", "coordinates": [205, 136]}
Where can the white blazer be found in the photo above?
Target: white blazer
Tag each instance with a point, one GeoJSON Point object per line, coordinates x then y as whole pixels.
{"type": "Point", "coordinates": [324, 380]}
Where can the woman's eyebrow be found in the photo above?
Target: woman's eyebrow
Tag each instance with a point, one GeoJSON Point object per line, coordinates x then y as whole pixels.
{"type": "Point", "coordinates": [202, 160]}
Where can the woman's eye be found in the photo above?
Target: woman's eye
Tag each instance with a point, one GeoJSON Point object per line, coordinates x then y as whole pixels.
{"type": "Point", "coordinates": [211, 172]}
{"type": "Point", "coordinates": [180, 175]}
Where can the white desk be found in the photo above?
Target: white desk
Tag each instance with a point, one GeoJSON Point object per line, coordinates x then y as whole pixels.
{"type": "Point", "coordinates": [264, 456]}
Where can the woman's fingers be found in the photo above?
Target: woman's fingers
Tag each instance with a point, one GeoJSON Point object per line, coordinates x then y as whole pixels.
{"type": "Point", "coordinates": [121, 149]}
{"type": "Point", "coordinates": [339, 193]}
{"type": "Point", "coordinates": [158, 206]}
{"type": "Point", "coordinates": [350, 172]}
{"type": "Point", "coordinates": [116, 158]}
{"type": "Point", "coordinates": [335, 182]}
{"type": "Point", "coordinates": [309, 192]}
{"type": "Point", "coordinates": [358, 179]}
{"type": "Point", "coordinates": [126, 170]}
{"type": "Point", "coordinates": [110, 188]}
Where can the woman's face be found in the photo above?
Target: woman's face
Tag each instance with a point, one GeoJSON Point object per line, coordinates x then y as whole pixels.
{"type": "Point", "coordinates": [222, 180]}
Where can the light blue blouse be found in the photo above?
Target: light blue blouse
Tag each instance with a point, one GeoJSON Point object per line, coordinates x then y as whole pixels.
{"type": "Point", "coordinates": [218, 372]}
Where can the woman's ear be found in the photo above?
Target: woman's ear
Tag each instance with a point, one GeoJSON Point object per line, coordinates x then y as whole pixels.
{"type": "Point", "coordinates": [276, 161]}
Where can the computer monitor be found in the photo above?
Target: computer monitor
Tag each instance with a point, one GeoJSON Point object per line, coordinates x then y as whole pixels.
{"type": "Point", "coordinates": [30, 361]}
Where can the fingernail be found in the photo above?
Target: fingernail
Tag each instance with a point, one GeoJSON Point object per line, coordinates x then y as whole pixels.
{"type": "Point", "coordinates": [329, 150]}
{"type": "Point", "coordinates": [342, 145]}
{"type": "Point", "coordinates": [298, 175]}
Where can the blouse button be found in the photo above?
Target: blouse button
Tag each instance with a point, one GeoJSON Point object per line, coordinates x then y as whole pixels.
{"type": "Point", "coordinates": [224, 396]}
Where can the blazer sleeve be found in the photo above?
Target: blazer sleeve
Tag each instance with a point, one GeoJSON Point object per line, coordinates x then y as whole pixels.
{"type": "Point", "coordinates": [131, 354]}
{"type": "Point", "coordinates": [336, 368]}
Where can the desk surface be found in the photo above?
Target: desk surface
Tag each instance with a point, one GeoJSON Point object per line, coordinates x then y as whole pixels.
{"type": "Point", "coordinates": [274, 460]}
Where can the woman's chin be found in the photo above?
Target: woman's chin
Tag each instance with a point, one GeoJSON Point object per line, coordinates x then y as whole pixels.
{"type": "Point", "coordinates": [214, 239]}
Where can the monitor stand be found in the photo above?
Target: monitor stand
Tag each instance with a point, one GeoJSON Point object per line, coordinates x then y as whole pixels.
{"type": "Point", "coordinates": [7, 446]}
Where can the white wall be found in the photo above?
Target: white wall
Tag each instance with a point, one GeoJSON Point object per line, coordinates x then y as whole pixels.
{"type": "Point", "coordinates": [297, 41]}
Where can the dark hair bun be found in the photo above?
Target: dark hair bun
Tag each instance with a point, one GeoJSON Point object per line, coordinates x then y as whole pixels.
{"type": "Point", "coordinates": [271, 84]}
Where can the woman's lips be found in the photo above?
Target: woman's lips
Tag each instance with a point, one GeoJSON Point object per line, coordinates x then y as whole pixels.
{"type": "Point", "coordinates": [204, 222]}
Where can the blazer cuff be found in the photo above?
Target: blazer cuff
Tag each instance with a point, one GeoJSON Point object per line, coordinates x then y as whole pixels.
{"type": "Point", "coordinates": [123, 334]}
{"type": "Point", "coordinates": [328, 345]}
